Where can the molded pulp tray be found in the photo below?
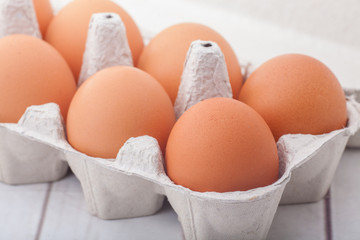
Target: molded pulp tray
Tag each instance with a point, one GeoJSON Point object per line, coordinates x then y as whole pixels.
{"type": "Point", "coordinates": [135, 183]}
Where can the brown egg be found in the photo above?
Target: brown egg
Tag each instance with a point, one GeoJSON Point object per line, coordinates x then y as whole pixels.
{"type": "Point", "coordinates": [221, 145]}
{"type": "Point", "coordinates": [44, 14]}
{"type": "Point", "coordinates": [165, 55]}
{"type": "Point", "coordinates": [67, 31]}
{"type": "Point", "coordinates": [296, 94]}
{"type": "Point", "coordinates": [31, 73]}
{"type": "Point", "coordinates": [115, 104]}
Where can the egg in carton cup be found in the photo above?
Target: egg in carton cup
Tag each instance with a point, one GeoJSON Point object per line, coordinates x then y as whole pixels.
{"type": "Point", "coordinates": [135, 183]}
{"type": "Point", "coordinates": [25, 161]}
{"type": "Point", "coordinates": [24, 158]}
{"type": "Point", "coordinates": [310, 180]}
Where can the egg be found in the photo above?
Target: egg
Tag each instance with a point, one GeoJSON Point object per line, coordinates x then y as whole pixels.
{"type": "Point", "coordinates": [295, 93]}
{"type": "Point", "coordinates": [44, 14]}
{"type": "Point", "coordinates": [67, 31]}
{"type": "Point", "coordinates": [221, 145]}
{"type": "Point", "coordinates": [114, 105]}
{"type": "Point", "coordinates": [165, 55]}
{"type": "Point", "coordinates": [32, 73]}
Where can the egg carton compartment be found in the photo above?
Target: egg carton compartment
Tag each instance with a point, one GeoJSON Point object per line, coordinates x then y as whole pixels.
{"type": "Point", "coordinates": [25, 156]}
{"type": "Point", "coordinates": [135, 183]}
{"type": "Point", "coordinates": [311, 176]}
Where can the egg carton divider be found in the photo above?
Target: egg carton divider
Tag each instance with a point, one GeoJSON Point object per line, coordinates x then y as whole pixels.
{"type": "Point", "coordinates": [354, 141]}
{"type": "Point", "coordinates": [106, 45]}
{"type": "Point", "coordinates": [18, 17]}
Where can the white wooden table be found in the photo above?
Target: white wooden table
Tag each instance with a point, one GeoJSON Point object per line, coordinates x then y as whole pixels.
{"type": "Point", "coordinates": [57, 211]}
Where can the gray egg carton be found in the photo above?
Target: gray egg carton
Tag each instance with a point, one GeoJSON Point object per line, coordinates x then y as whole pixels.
{"type": "Point", "coordinates": [135, 183]}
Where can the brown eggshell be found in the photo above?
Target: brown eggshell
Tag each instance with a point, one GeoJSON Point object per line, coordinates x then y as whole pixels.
{"type": "Point", "coordinates": [295, 93]}
{"type": "Point", "coordinates": [67, 31]}
{"type": "Point", "coordinates": [44, 14]}
{"type": "Point", "coordinates": [165, 55]}
{"type": "Point", "coordinates": [31, 73]}
{"type": "Point", "coordinates": [221, 145]}
{"type": "Point", "coordinates": [115, 104]}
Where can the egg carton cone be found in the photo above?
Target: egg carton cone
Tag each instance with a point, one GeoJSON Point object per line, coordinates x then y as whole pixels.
{"type": "Point", "coordinates": [18, 17]}
{"type": "Point", "coordinates": [204, 76]}
{"type": "Point", "coordinates": [354, 141]}
{"type": "Point", "coordinates": [106, 45]}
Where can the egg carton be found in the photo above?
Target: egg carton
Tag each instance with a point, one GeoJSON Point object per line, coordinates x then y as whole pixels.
{"type": "Point", "coordinates": [135, 183]}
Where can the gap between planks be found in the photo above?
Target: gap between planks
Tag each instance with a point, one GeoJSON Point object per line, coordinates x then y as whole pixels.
{"type": "Point", "coordinates": [43, 212]}
{"type": "Point", "coordinates": [328, 222]}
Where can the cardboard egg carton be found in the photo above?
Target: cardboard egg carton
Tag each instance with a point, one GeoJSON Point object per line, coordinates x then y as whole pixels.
{"type": "Point", "coordinates": [135, 183]}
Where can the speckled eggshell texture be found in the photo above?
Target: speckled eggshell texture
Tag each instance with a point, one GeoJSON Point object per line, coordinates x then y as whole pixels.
{"type": "Point", "coordinates": [295, 93]}
{"type": "Point", "coordinates": [32, 73]}
{"type": "Point", "coordinates": [114, 105]}
{"type": "Point", "coordinates": [221, 145]}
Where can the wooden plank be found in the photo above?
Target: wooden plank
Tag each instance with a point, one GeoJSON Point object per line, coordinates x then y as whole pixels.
{"type": "Point", "coordinates": [67, 218]}
{"type": "Point", "coordinates": [21, 210]}
{"type": "Point", "coordinates": [345, 199]}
